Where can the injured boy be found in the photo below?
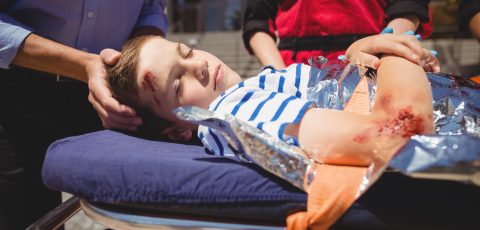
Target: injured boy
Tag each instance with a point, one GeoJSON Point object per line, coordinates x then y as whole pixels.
{"type": "Point", "coordinates": [155, 76]}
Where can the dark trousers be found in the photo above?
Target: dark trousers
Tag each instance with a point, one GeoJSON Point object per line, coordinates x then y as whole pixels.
{"type": "Point", "coordinates": [397, 201]}
{"type": "Point", "coordinates": [35, 110]}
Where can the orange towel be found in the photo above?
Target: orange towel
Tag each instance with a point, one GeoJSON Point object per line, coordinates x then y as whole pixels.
{"type": "Point", "coordinates": [359, 101]}
{"type": "Point", "coordinates": [332, 191]}
{"type": "Point", "coordinates": [334, 187]}
{"type": "Point", "coordinates": [476, 79]}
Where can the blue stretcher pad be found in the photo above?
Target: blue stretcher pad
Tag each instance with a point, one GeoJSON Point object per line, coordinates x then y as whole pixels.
{"type": "Point", "coordinates": [108, 167]}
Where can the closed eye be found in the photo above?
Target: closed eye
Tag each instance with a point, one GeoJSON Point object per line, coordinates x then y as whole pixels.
{"type": "Point", "coordinates": [178, 86]}
{"type": "Point", "coordinates": [188, 54]}
{"type": "Point", "coordinates": [184, 51]}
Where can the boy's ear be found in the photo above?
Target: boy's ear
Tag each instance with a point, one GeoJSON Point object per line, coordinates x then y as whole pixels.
{"type": "Point", "coordinates": [179, 134]}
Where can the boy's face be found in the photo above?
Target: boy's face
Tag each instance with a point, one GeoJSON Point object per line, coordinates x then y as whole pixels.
{"type": "Point", "coordinates": [173, 75]}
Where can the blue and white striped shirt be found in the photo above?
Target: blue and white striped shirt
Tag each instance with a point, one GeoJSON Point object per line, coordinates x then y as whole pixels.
{"type": "Point", "coordinates": [270, 101]}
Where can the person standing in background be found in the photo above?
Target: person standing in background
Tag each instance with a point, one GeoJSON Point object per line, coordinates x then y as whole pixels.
{"type": "Point", "coordinates": [49, 51]}
{"type": "Point", "coordinates": [469, 23]}
{"type": "Point", "coordinates": [469, 17]}
{"type": "Point", "coordinates": [326, 28]}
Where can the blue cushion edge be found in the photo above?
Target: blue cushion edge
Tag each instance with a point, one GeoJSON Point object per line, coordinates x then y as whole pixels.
{"type": "Point", "coordinates": [108, 166]}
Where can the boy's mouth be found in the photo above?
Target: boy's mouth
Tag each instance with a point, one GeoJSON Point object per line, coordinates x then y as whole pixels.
{"type": "Point", "coordinates": [217, 76]}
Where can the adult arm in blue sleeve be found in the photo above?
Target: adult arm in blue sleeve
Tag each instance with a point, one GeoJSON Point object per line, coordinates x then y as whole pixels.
{"type": "Point", "coordinates": [12, 34]}
{"type": "Point", "coordinates": [21, 47]}
{"type": "Point", "coordinates": [152, 19]}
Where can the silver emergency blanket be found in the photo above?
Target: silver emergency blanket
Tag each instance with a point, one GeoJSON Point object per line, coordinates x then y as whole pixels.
{"type": "Point", "coordinates": [252, 144]}
{"type": "Point", "coordinates": [453, 153]}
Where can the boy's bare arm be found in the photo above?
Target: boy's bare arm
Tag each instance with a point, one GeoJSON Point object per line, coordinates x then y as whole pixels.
{"type": "Point", "coordinates": [401, 85]}
{"type": "Point", "coordinates": [402, 108]}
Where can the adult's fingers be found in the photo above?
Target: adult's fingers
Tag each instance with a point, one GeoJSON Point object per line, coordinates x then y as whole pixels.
{"type": "Point", "coordinates": [111, 112]}
{"type": "Point", "coordinates": [116, 118]}
{"type": "Point", "coordinates": [102, 95]}
{"type": "Point", "coordinates": [434, 61]}
{"type": "Point", "coordinates": [122, 123]}
{"type": "Point", "coordinates": [111, 119]}
{"type": "Point", "coordinates": [406, 47]}
{"type": "Point", "coordinates": [109, 56]}
{"type": "Point", "coordinates": [429, 62]}
{"type": "Point", "coordinates": [412, 42]}
{"type": "Point", "coordinates": [433, 65]}
{"type": "Point", "coordinates": [101, 112]}
{"type": "Point", "coordinates": [112, 106]}
{"type": "Point", "coordinates": [365, 59]}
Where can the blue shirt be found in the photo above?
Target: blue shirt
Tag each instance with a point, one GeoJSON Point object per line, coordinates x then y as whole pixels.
{"type": "Point", "coordinates": [88, 25]}
{"type": "Point", "coordinates": [269, 101]}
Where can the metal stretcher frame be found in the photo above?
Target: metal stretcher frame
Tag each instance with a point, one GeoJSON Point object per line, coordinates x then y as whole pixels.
{"type": "Point", "coordinates": [121, 219]}
{"type": "Point", "coordinates": [117, 219]}
{"type": "Point", "coordinates": [58, 216]}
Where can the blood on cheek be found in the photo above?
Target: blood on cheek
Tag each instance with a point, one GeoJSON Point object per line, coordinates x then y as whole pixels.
{"type": "Point", "coordinates": [149, 83]}
{"type": "Point", "coordinates": [156, 100]}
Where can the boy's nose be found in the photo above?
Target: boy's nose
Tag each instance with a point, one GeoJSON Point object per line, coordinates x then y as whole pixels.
{"type": "Point", "coordinates": [201, 69]}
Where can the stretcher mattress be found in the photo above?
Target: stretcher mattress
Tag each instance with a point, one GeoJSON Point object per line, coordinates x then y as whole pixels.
{"type": "Point", "coordinates": [112, 168]}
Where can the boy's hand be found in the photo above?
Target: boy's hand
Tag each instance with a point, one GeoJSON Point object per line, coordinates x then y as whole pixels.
{"type": "Point", "coordinates": [429, 62]}
{"type": "Point", "coordinates": [111, 112]}
{"type": "Point", "coordinates": [364, 51]}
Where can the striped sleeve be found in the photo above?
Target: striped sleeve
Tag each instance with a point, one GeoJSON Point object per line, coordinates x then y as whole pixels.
{"type": "Point", "coordinates": [282, 110]}
{"type": "Point", "coordinates": [266, 110]}
{"type": "Point", "coordinates": [292, 80]}
{"type": "Point", "coordinates": [270, 101]}
{"type": "Point", "coordinates": [214, 142]}
{"type": "Point", "coordinates": [298, 75]}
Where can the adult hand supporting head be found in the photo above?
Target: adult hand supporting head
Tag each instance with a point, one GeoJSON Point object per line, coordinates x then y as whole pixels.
{"type": "Point", "coordinates": [111, 112]}
{"type": "Point", "coordinates": [365, 51]}
{"type": "Point", "coordinates": [39, 53]}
